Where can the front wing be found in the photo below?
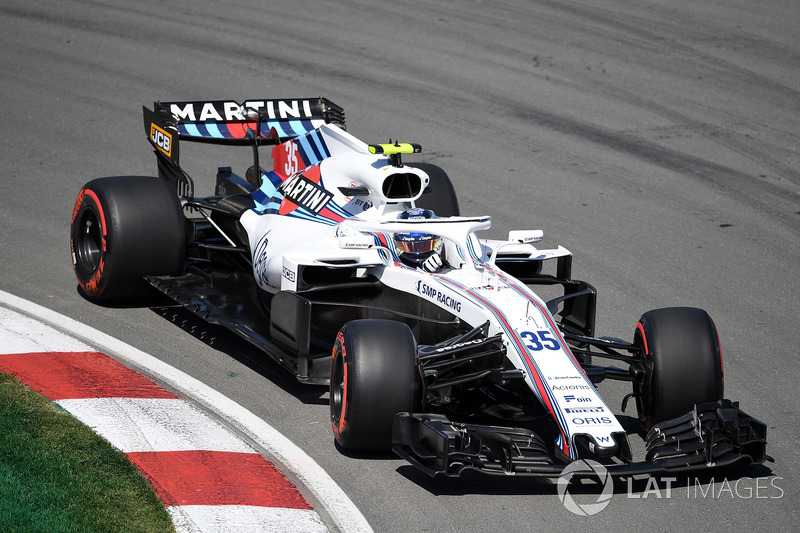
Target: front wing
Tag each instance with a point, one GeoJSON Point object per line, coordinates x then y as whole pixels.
{"type": "Point", "coordinates": [713, 434]}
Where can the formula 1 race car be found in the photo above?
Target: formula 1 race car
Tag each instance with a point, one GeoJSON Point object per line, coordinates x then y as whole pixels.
{"type": "Point", "coordinates": [354, 268]}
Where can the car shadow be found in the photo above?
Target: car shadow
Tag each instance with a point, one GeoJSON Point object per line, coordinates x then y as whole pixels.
{"type": "Point", "coordinates": [707, 484]}
{"type": "Point", "coordinates": [224, 341]}
{"type": "Point", "coordinates": [147, 299]}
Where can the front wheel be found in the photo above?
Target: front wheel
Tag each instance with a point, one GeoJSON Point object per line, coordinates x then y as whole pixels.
{"type": "Point", "coordinates": [681, 365]}
{"type": "Point", "coordinates": [374, 376]}
{"type": "Point", "coordinates": [124, 228]}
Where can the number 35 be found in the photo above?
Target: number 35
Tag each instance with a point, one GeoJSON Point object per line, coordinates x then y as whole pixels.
{"type": "Point", "coordinates": [538, 340]}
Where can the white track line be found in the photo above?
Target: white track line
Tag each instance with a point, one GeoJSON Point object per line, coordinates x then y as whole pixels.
{"type": "Point", "coordinates": [154, 424]}
{"type": "Point", "coordinates": [345, 515]}
{"type": "Point", "coordinates": [218, 519]}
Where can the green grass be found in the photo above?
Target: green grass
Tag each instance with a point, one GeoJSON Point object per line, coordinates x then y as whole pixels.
{"type": "Point", "coordinates": [57, 475]}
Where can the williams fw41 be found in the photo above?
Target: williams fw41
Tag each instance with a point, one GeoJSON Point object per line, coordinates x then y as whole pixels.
{"type": "Point", "coordinates": [351, 266]}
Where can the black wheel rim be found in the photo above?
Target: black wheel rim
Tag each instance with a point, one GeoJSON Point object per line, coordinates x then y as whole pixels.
{"type": "Point", "coordinates": [88, 244]}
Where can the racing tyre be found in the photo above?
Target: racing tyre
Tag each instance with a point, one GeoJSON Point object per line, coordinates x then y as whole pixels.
{"type": "Point", "coordinates": [374, 376]}
{"type": "Point", "coordinates": [682, 363]}
{"type": "Point", "coordinates": [124, 228]}
{"type": "Point", "coordinates": [441, 196]}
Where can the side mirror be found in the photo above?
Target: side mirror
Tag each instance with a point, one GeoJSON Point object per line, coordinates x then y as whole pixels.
{"type": "Point", "coordinates": [355, 240]}
{"type": "Point", "coordinates": [526, 236]}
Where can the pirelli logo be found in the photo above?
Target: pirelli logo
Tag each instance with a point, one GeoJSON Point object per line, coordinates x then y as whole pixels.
{"type": "Point", "coordinates": [161, 139]}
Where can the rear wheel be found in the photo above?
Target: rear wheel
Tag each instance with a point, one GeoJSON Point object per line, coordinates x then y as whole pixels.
{"type": "Point", "coordinates": [374, 376]}
{"type": "Point", "coordinates": [125, 228]}
{"type": "Point", "coordinates": [682, 363]}
{"type": "Point", "coordinates": [441, 197]}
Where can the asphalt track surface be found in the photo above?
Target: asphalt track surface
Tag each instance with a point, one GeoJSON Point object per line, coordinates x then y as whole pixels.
{"type": "Point", "coordinates": [656, 140]}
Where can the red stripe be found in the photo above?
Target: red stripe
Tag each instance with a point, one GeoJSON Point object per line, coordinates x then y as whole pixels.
{"type": "Point", "coordinates": [234, 129]}
{"type": "Point", "coordinates": [202, 477]}
{"type": "Point", "coordinates": [640, 329]}
{"type": "Point", "coordinates": [102, 215]}
{"type": "Point", "coordinates": [238, 130]}
{"type": "Point", "coordinates": [327, 213]}
{"type": "Point", "coordinates": [74, 375]}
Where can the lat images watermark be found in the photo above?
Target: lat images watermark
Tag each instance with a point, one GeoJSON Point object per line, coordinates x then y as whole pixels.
{"type": "Point", "coordinates": [586, 468]}
{"type": "Point", "coordinates": [745, 488]}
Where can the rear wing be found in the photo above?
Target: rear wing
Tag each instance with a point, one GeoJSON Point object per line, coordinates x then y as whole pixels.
{"type": "Point", "coordinates": [270, 121]}
{"type": "Point", "coordinates": [250, 123]}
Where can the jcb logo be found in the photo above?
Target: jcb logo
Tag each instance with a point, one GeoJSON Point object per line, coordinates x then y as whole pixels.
{"type": "Point", "coordinates": [161, 139]}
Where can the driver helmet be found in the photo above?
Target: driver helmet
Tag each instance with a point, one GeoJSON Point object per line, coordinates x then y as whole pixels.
{"type": "Point", "coordinates": [414, 248]}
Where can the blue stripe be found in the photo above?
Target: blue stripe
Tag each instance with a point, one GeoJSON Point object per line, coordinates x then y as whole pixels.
{"type": "Point", "coordinates": [382, 252]}
{"type": "Point", "coordinates": [213, 130]}
{"type": "Point", "coordinates": [313, 143]}
{"type": "Point", "coordinates": [336, 208]}
{"type": "Point", "coordinates": [304, 214]}
{"type": "Point", "coordinates": [290, 128]}
{"type": "Point", "coordinates": [191, 129]}
{"type": "Point", "coordinates": [269, 186]}
{"type": "Point", "coordinates": [319, 142]}
{"type": "Point", "coordinates": [260, 196]}
{"type": "Point", "coordinates": [284, 128]}
{"type": "Point", "coordinates": [279, 128]}
{"type": "Point", "coordinates": [471, 250]}
{"type": "Point", "coordinates": [274, 179]}
{"type": "Point", "coordinates": [306, 152]}
{"type": "Point", "coordinates": [298, 127]}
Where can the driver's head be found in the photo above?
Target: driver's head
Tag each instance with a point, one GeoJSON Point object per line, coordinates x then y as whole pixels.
{"type": "Point", "coordinates": [414, 248]}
